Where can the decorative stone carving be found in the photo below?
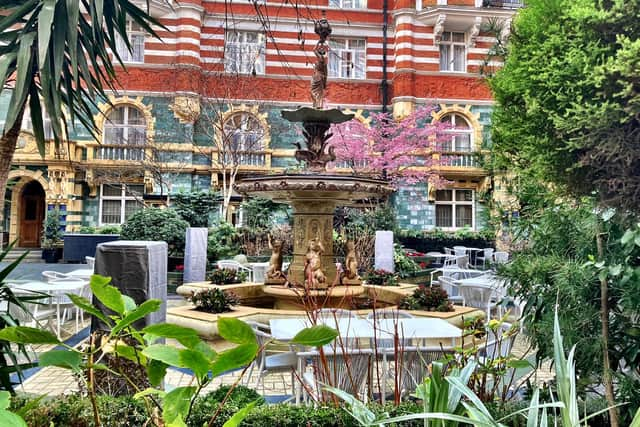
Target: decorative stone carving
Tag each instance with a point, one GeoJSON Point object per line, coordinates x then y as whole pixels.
{"type": "Point", "coordinates": [350, 275]}
{"type": "Point", "coordinates": [438, 28]}
{"type": "Point", "coordinates": [505, 32]}
{"type": "Point", "coordinates": [475, 31]}
{"type": "Point", "coordinates": [314, 276]}
{"type": "Point", "coordinates": [57, 183]}
{"type": "Point", "coordinates": [186, 109]}
{"type": "Point", "coordinates": [274, 273]}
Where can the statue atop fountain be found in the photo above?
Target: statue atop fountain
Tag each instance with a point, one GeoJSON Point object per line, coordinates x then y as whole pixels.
{"type": "Point", "coordinates": [274, 274]}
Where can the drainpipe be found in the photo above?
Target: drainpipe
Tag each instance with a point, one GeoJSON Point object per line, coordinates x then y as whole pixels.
{"type": "Point", "coordinates": [384, 87]}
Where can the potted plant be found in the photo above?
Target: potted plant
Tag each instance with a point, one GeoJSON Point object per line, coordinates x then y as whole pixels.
{"type": "Point", "coordinates": [52, 237]}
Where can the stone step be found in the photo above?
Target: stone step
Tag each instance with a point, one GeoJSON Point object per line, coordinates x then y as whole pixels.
{"type": "Point", "coordinates": [34, 256]}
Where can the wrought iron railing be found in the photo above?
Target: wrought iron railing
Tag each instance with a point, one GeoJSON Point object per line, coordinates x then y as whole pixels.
{"type": "Point", "coordinates": [119, 153]}
{"type": "Point", "coordinates": [245, 158]}
{"type": "Point", "coordinates": [464, 160]}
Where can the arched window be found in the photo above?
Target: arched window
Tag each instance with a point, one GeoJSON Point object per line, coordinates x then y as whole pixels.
{"type": "Point", "coordinates": [125, 134]}
{"type": "Point", "coordinates": [461, 133]}
{"type": "Point", "coordinates": [243, 139]}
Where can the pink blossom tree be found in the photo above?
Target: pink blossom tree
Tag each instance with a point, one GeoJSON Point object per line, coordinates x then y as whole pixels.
{"type": "Point", "coordinates": [400, 150]}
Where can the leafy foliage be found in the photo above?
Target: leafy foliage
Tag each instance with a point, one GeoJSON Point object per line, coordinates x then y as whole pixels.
{"type": "Point", "coordinates": [259, 212]}
{"type": "Point", "coordinates": [214, 300]}
{"type": "Point", "coordinates": [568, 98]}
{"type": "Point", "coordinates": [163, 225]}
{"type": "Point", "coordinates": [195, 207]}
{"type": "Point", "coordinates": [206, 406]}
{"type": "Point", "coordinates": [427, 298]}
{"type": "Point", "coordinates": [222, 242]}
{"type": "Point", "coordinates": [227, 276]}
{"type": "Point", "coordinates": [52, 229]}
{"type": "Point", "coordinates": [382, 278]}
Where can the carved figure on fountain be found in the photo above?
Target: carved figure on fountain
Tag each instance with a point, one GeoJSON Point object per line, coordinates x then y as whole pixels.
{"type": "Point", "coordinates": [274, 272]}
{"type": "Point", "coordinates": [314, 276]}
{"type": "Point", "coordinates": [350, 275]}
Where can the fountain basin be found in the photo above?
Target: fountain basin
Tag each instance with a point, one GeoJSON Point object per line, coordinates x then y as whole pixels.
{"type": "Point", "coordinates": [260, 306]}
{"type": "Point", "coordinates": [314, 198]}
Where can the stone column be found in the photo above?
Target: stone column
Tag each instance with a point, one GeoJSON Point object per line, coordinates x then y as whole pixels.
{"type": "Point", "coordinates": [312, 219]}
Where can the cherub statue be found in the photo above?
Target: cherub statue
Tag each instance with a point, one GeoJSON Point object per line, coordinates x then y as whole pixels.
{"type": "Point", "coordinates": [314, 276]}
{"type": "Point", "coordinates": [275, 262]}
{"type": "Point", "coordinates": [351, 262]}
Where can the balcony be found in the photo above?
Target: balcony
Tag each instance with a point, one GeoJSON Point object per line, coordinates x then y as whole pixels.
{"type": "Point", "coordinates": [119, 152]}
{"type": "Point", "coordinates": [510, 4]}
{"type": "Point", "coordinates": [245, 158]}
{"type": "Point", "coordinates": [458, 159]}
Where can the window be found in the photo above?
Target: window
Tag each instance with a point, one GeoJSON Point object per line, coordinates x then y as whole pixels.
{"type": "Point", "coordinates": [348, 58]}
{"type": "Point", "coordinates": [348, 4]}
{"type": "Point", "coordinates": [125, 135]}
{"type": "Point", "coordinates": [454, 208]}
{"type": "Point", "coordinates": [243, 139]}
{"type": "Point", "coordinates": [453, 52]}
{"type": "Point", "coordinates": [136, 39]}
{"type": "Point", "coordinates": [118, 202]}
{"type": "Point", "coordinates": [460, 131]}
{"type": "Point", "coordinates": [46, 122]}
{"type": "Point", "coordinates": [244, 52]}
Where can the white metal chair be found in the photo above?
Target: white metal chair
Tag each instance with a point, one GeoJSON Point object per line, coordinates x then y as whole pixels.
{"type": "Point", "coordinates": [449, 251]}
{"type": "Point", "coordinates": [36, 311]}
{"type": "Point", "coordinates": [91, 261]}
{"type": "Point", "coordinates": [274, 362]}
{"type": "Point", "coordinates": [415, 363]}
{"type": "Point", "coordinates": [64, 303]}
{"type": "Point", "coordinates": [347, 370]}
{"type": "Point", "coordinates": [49, 275]}
{"type": "Point", "coordinates": [451, 287]}
{"type": "Point", "coordinates": [459, 250]}
{"type": "Point", "coordinates": [235, 265]}
{"type": "Point", "coordinates": [487, 255]}
{"type": "Point", "coordinates": [482, 297]}
{"type": "Point", "coordinates": [500, 257]}
{"type": "Point", "coordinates": [500, 342]}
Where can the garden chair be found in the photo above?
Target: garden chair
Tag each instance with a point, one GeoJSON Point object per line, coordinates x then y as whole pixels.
{"type": "Point", "coordinates": [235, 265]}
{"type": "Point", "coordinates": [347, 370]}
{"type": "Point", "coordinates": [500, 257]}
{"type": "Point", "coordinates": [49, 275]}
{"type": "Point", "coordinates": [37, 310]}
{"type": "Point", "coordinates": [267, 362]}
{"type": "Point", "coordinates": [451, 287]}
{"type": "Point", "coordinates": [449, 251]}
{"type": "Point", "coordinates": [482, 297]}
{"type": "Point", "coordinates": [415, 364]}
{"type": "Point", "coordinates": [65, 304]}
{"type": "Point", "coordinates": [499, 342]}
{"type": "Point", "coordinates": [487, 255]}
{"type": "Point", "coordinates": [459, 250]}
{"type": "Point", "coordinates": [91, 261]}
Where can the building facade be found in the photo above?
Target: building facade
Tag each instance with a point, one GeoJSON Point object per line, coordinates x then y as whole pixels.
{"type": "Point", "coordinates": [205, 100]}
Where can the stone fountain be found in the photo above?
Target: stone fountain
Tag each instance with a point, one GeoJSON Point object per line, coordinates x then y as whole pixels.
{"type": "Point", "coordinates": [314, 195]}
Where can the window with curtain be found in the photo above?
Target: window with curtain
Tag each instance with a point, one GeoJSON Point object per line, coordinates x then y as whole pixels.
{"type": "Point", "coordinates": [454, 209]}
{"type": "Point", "coordinates": [125, 134]}
{"type": "Point", "coordinates": [453, 52]}
{"type": "Point", "coordinates": [244, 52]}
{"type": "Point", "coordinates": [136, 37]}
{"type": "Point", "coordinates": [119, 201]}
{"type": "Point", "coordinates": [461, 133]}
{"type": "Point", "coordinates": [348, 58]}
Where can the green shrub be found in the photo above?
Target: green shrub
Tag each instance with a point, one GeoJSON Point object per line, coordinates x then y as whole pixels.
{"type": "Point", "coordinates": [75, 410]}
{"type": "Point", "coordinates": [195, 207]}
{"type": "Point", "coordinates": [214, 300]}
{"type": "Point", "coordinates": [223, 242]}
{"type": "Point", "coordinates": [427, 298]}
{"type": "Point", "coordinates": [227, 276]}
{"type": "Point", "coordinates": [382, 278]}
{"type": "Point", "coordinates": [87, 229]}
{"type": "Point", "coordinates": [158, 225]}
{"type": "Point", "coordinates": [404, 266]}
{"type": "Point", "coordinates": [109, 229]}
{"type": "Point", "coordinates": [206, 406]}
{"type": "Point", "coordinates": [52, 229]}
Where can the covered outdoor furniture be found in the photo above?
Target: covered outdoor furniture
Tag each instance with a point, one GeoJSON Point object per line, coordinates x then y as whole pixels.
{"type": "Point", "coordinates": [235, 265]}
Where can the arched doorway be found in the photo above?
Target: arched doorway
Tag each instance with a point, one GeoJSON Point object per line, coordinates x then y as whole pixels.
{"type": "Point", "coordinates": [32, 206]}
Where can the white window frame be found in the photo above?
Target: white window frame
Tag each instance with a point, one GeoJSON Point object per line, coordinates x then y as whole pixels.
{"type": "Point", "coordinates": [136, 37]}
{"type": "Point", "coordinates": [122, 198]}
{"type": "Point", "coordinates": [348, 4]}
{"type": "Point", "coordinates": [336, 56]}
{"type": "Point", "coordinates": [468, 130]}
{"type": "Point", "coordinates": [450, 46]}
{"type": "Point", "coordinates": [244, 131]}
{"type": "Point", "coordinates": [126, 146]}
{"type": "Point", "coordinates": [242, 56]}
{"type": "Point", "coordinates": [453, 203]}
{"type": "Point", "coordinates": [46, 123]}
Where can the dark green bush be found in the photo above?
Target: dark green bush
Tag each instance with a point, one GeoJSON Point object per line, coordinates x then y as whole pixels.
{"type": "Point", "coordinates": [227, 276]}
{"type": "Point", "coordinates": [195, 207]}
{"type": "Point", "coordinates": [382, 278]}
{"type": "Point", "coordinates": [427, 298]}
{"type": "Point", "coordinates": [158, 225]}
{"type": "Point", "coordinates": [223, 242]}
{"type": "Point", "coordinates": [109, 229]}
{"type": "Point", "coordinates": [75, 411]}
{"type": "Point", "coordinates": [206, 406]}
{"type": "Point", "coordinates": [214, 300]}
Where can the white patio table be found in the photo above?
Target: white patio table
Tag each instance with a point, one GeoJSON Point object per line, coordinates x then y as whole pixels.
{"type": "Point", "coordinates": [55, 290]}
{"type": "Point", "coordinates": [81, 273]}
{"type": "Point", "coordinates": [415, 328]}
